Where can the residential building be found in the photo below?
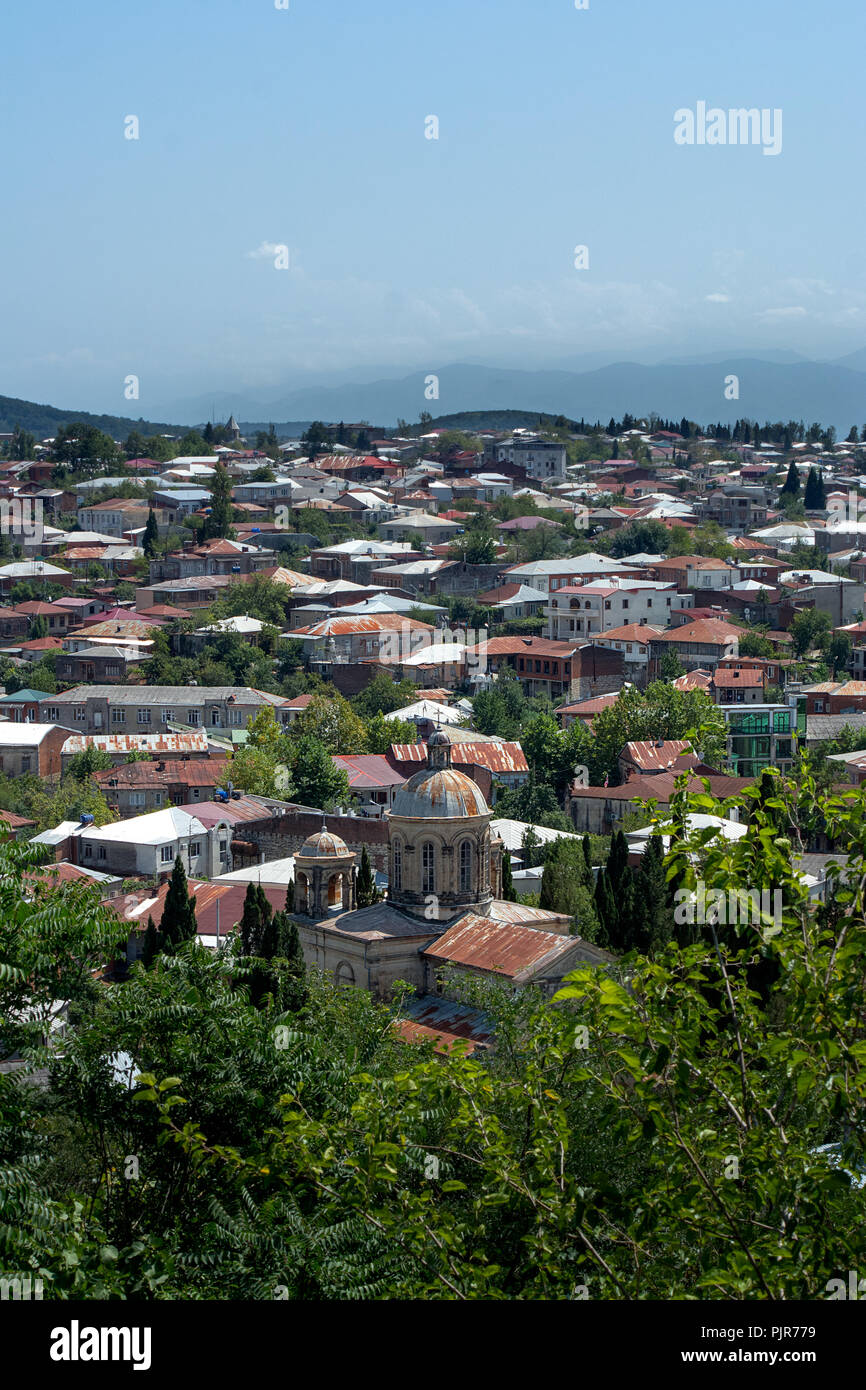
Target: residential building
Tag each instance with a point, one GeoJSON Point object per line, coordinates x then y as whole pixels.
{"type": "Point", "coordinates": [151, 709]}
{"type": "Point", "coordinates": [147, 846]}
{"type": "Point", "coordinates": [698, 645]}
{"type": "Point", "coordinates": [541, 459]}
{"type": "Point", "coordinates": [31, 749]}
{"type": "Point", "coordinates": [583, 610]}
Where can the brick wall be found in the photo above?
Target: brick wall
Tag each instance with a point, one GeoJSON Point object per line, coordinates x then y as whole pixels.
{"type": "Point", "coordinates": [279, 836]}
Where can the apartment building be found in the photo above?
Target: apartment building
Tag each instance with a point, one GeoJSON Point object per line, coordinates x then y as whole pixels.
{"type": "Point", "coordinates": [541, 459]}
{"type": "Point", "coordinates": [118, 516]}
{"type": "Point", "coordinates": [109, 709]}
{"type": "Point", "coordinates": [583, 610]}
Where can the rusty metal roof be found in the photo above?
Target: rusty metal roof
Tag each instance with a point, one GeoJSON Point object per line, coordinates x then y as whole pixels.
{"type": "Point", "coordinates": [498, 756]}
{"type": "Point", "coordinates": [193, 742]}
{"type": "Point", "coordinates": [439, 794]}
{"type": "Point", "coordinates": [503, 948]}
{"type": "Point", "coordinates": [444, 1022]}
{"type": "Point", "coordinates": [659, 756]}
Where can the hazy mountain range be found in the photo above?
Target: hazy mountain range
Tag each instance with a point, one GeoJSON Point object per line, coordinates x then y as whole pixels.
{"type": "Point", "coordinates": [770, 385]}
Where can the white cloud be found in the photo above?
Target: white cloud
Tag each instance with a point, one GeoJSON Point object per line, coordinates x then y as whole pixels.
{"type": "Point", "coordinates": [266, 251]}
{"type": "Point", "coordinates": [791, 311]}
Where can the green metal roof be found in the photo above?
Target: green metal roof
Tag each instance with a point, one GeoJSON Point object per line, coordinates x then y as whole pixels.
{"type": "Point", "coordinates": [25, 695]}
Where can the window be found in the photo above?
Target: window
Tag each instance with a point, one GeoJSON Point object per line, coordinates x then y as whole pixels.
{"type": "Point", "coordinates": [397, 866]}
{"type": "Point", "coordinates": [428, 868]}
{"type": "Point", "coordinates": [466, 866]}
{"type": "Point", "coordinates": [144, 716]}
{"type": "Point", "coordinates": [165, 854]}
{"type": "Point", "coordinates": [118, 716]}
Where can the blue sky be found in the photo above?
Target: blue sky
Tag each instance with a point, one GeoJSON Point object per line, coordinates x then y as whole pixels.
{"type": "Point", "coordinates": [305, 127]}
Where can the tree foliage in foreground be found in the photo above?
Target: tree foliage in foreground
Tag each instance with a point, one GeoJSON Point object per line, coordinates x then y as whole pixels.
{"type": "Point", "coordinates": [650, 1133]}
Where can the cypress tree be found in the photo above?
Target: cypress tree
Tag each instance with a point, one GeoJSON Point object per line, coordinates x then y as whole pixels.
{"type": "Point", "coordinates": [291, 951]}
{"type": "Point", "coordinates": [219, 520]}
{"type": "Point", "coordinates": [792, 482]}
{"type": "Point", "coordinates": [365, 886]}
{"type": "Point", "coordinates": [617, 863]}
{"type": "Point", "coordinates": [605, 909]}
{"type": "Point", "coordinates": [508, 893]}
{"type": "Point", "coordinates": [251, 924]}
{"type": "Point", "coordinates": [151, 534]}
{"type": "Point", "coordinates": [815, 496]}
{"type": "Point", "coordinates": [656, 918]}
{"type": "Point", "coordinates": [178, 916]}
{"type": "Point", "coordinates": [151, 946]}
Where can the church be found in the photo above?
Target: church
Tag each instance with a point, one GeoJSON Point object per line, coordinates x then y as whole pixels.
{"type": "Point", "coordinates": [444, 903]}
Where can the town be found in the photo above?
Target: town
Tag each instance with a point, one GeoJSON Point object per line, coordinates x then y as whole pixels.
{"type": "Point", "coordinates": [397, 674]}
{"type": "Point", "coordinates": [350, 776]}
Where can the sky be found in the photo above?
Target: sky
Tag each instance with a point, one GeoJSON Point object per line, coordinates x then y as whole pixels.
{"type": "Point", "coordinates": [305, 128]}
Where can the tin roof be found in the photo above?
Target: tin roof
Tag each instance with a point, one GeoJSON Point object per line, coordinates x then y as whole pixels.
{"type": "Point", "coordinates": [659, 755]}
{"type": "Point", "coordinates": [368, 771]}
{"type": "Point", "coordinates": [502, 948]}
{"type": "Point", "coordinates": [193, 742]}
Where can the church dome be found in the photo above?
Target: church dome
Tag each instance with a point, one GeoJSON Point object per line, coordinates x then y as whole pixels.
{"type": "Point", "coordinates": [439, 795]}
{"type": "Point", "coordinates": [323, 845]}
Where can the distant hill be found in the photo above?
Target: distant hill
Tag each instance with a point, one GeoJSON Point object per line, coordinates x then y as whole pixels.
{"type": "Point", "coordinates": [830, 392]}
{"type": "Point", "coordinates": [45, 420]}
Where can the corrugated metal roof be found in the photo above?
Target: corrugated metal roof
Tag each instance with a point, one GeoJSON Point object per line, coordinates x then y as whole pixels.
{"type": "Point", "coordinates": [367, 771]}
{"type": "Point", "coordinates": [193, 742]}
{"type": "Point", "coordinates": [210, 813]}
{"type": "Point", "coordinates": [504, 948]}
{"type": "Point", "coordinates": [197, 772]}
{"type": "Point", "coordinates": [446, 1023]}
{"type": "Point", "coordinates": [660, 755]}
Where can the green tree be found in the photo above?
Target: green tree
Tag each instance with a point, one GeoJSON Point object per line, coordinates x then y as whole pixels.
{"type": "Point", "coordinates": [219, 519]}
{"type": "Point", "coordinates": [366, 892]}
{"type": "Point", "coordinates": [82, 766]}
{"type": "Point", "coordinates": [670, 666]}
{"type": "Point", "coordinates": [151, 535]}
{"type": "Point", "coordinates": [809, 630]}
{"type": "Point", "coordinates": [791, 486]}
{"type": "Point", "coordinates": [315, 779]}
{"type": "Point", "coordinates": [382, 732]}
{"type": "Point", "coordinates": [508, 891]}
{"type": "Point", "coordinates": [815, 496]}
{"type": "Point", "coordinates": [333, 722]}
{"type": "Point", "coordinates": [177, 923]}
{"type": "Point", "coordinates": [838, 652]}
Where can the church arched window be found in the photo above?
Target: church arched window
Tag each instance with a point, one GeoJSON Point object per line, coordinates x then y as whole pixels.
{"type": "Point", "coordinates": [466, 866]}
{"type": "Point", "coordinates": [428, 868]}
{"type": "Point", "coordinates": [397, 866]}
